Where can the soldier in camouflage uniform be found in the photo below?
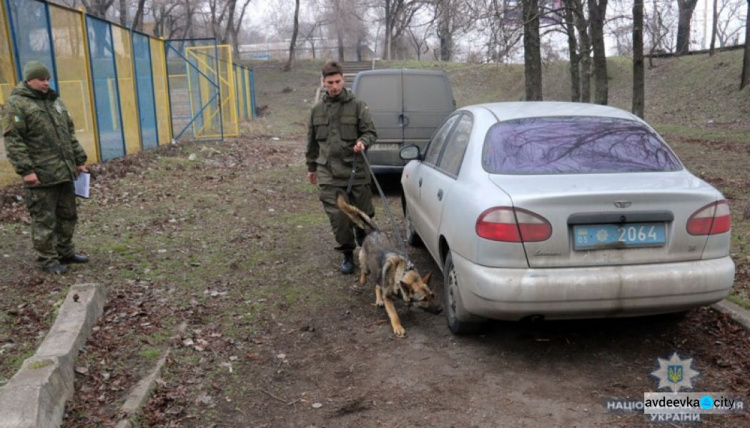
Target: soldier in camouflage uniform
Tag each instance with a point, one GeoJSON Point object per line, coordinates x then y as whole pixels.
{"type": "Point", "coordinates": [42, 147]}
{"type": "Point", "coordinates": [340, 127]}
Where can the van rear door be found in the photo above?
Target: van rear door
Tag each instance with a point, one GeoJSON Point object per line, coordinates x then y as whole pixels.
{"type": "Point", "coordinates": [427, 101]}
{"type": "Point", "coordinates": [383, 94]}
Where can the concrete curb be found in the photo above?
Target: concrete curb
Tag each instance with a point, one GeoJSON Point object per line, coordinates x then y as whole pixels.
{"type": "Point", "coordinates": [36, 395]}
{"type": "Point", "coordinates": [737, 312]}
{"type": "Point", "coordinates": [140, 394]}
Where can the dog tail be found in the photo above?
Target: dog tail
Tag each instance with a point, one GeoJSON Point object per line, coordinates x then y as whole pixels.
{"type": "Point", "coordinates": [362, 220]}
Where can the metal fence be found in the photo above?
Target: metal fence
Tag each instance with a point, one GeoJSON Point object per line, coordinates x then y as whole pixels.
{"type": "Point", "coordinates": [115, 81]}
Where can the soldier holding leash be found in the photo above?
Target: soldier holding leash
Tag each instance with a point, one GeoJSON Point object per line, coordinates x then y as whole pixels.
{"type": "Point", "coordinates": [340, 128]}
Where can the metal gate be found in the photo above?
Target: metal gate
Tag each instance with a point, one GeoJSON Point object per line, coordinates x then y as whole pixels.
{"type": "Point", "coordinates": [203, 100]}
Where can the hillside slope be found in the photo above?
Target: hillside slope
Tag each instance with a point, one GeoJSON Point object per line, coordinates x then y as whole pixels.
{"type": "Point", "coordinates": [688, 91]}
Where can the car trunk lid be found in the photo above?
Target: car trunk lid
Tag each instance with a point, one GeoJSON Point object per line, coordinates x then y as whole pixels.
{"type": "Point", "coordinates": [648, 210]}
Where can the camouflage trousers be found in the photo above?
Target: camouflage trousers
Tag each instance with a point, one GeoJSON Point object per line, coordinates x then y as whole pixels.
{"type": "Point", "coordinates": [53, 221]}
{"type": "Point", "coordinates": [342, 226]}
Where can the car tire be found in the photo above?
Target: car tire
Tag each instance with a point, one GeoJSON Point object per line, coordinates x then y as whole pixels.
{"type": "Point", "coordinates": [459, 321]}
{"type": "Point", "coordinates": [412, 237]}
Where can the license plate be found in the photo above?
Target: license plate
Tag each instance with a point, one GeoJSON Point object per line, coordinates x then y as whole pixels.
{"type": "Point", "coordinates": [613, 236]}
{"type": "Point", "coordinates": [384, 147]}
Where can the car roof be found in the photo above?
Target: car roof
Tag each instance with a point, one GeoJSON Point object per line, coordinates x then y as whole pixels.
{"type": "Point", "coordinates": [528, 109]}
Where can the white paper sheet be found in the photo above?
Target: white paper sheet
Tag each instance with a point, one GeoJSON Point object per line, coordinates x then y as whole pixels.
{"type": "Point", "coordinates": [82, 185]}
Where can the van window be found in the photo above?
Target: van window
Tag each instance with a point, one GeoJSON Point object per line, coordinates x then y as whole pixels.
{"type": "Point", "coordinates": [381, 92]}
{"type": "Point", "coordinates": [426, 93]}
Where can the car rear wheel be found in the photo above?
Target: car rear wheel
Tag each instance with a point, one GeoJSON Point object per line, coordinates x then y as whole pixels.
{"type": "Point", "coordinates": [459, 321]}
{"type": "Point", "coordinates": [412, 237]}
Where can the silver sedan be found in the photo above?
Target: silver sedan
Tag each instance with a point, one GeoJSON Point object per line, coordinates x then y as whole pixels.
{"type": "Point", "coordinates": [563, 210]}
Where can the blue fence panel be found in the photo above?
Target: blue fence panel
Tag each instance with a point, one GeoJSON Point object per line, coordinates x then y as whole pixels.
{"type": "Point", "coordinates": [106, 92]}
{"type": "Point", "coordinates": [29, 21]}
{"type": "Point", "coordinates": [254, 106]}
{"type": "Point", "coordinates": [145, 90]}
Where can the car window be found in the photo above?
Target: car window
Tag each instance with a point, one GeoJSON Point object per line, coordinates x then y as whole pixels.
{"type": "Point", "coordinates": [453, 153]}
{"type": "Point", "coordinates": [566, 145]}
{"type": "Point", "coordinates": [438, 140]}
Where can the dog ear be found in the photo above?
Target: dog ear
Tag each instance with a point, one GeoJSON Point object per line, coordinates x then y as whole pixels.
{"type": "Point", "coordinates": [426, 278]}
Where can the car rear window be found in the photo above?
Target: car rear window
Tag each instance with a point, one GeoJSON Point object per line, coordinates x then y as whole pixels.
{"type": "Point", "coordinates": [567, 145]}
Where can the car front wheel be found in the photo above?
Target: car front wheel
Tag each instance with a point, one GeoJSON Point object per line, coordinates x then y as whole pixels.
{"type": "Point", "coordinates": [412, 237]}
{"type": "Point", "coordinates": [455, 313]}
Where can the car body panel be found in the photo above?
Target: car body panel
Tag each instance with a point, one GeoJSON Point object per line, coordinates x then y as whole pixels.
{"type": "Point", "coordinates": [593, 292]}
{"type": "Point", "coordinates": [558, 197]}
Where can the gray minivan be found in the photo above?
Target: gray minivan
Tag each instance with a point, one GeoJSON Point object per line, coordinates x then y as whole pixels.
{"type": "Point", "coordinates": [406, 106]}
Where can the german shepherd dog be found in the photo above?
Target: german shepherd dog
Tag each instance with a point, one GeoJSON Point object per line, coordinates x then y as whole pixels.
{"type": "Point", "coordinates": [396, 275]}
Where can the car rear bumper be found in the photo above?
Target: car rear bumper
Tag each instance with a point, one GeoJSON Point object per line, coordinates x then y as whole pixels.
{"type": "Point", "coordinates": [592, 292]}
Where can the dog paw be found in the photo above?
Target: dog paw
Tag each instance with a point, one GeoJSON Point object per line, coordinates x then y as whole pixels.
{"type": "Point", "coordinates": [399, 331]}
{"type": "Point", "coordinates": [379, 303]}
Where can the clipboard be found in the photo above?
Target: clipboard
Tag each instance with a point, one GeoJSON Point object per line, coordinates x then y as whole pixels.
{"type": "Point", "coordinates": [82, 185]}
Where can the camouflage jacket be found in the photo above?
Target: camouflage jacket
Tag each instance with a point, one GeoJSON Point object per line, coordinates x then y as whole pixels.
{"type": "Point", "coordinates": [39, 136]}
{"type": "Point", "coordinates": [336, 123]}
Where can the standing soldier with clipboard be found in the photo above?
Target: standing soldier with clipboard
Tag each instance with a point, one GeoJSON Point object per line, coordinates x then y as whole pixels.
{"type": "Point", "coordinates": [41, 145]}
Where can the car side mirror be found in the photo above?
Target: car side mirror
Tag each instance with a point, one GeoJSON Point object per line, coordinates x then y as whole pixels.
{"type": "Point", "coordinates": [410, 152]}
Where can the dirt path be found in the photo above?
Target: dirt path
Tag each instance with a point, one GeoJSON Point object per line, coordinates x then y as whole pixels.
{"type": "Point", "coordinates": [235, 244]}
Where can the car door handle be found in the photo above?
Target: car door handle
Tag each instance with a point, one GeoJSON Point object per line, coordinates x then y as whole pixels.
{"type": "Point", "coordinates": [420, 181]}
{"type": "Point", "coordinates": [440, 195]}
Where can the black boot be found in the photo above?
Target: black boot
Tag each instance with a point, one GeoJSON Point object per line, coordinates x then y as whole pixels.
{"type": "Point", "coordinates": [347, 266]}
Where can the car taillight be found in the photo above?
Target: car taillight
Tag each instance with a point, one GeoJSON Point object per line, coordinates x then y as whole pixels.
{"type": "Point", "coordinates": [512, 225]}
{"type": "Point", "coordinates": [712, 219]}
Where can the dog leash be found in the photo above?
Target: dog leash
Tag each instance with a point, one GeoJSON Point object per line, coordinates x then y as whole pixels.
{"type": "Point", "coordinates": [409, 264]}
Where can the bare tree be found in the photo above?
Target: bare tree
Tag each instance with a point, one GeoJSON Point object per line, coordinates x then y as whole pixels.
{"type": "Point", "coordinates": [138, 18]}
{"type": "Point", "coordinates": [397, 15]}
{"type": "Point", "coordinates": [168, 18]}
{"type": "Point", "coordinates": [729, 13]}
{"type": "Point", "coordinates": [453, 18]}
{"type": "Point", "coordinates": [714, 27]}
{"type": "Point", "coordinates": [658, 29]}
{"type": "Point", "coordinates": [639, 77]}
{"type": "Point", "coordinates": [419, 41]}
{"type": "Point", "coordinates": [745, 79]}
{"type": "Point", "coordinates": [686, 8]}
{"type": "Point", "coordinates": [597, 13]}
{"type": "Point", "coordinates": [225, 22]}
{"type": "Point", "coordinates": [308, 30]}
{"type": "Point", "coordinates": [503, 26]}
{"type": "Point", "coordinates": [124, 12]}
{"type": "Point", "coordinates": [574, 59]}
{"type": "Point", "coordinates": [584, 51]}
{"type": "Point", "coordinates": [97, 8]}
{"type": "Point", "coordinates": [292, 46]}
{"type": "Point", "coordinates": [532, 50]}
